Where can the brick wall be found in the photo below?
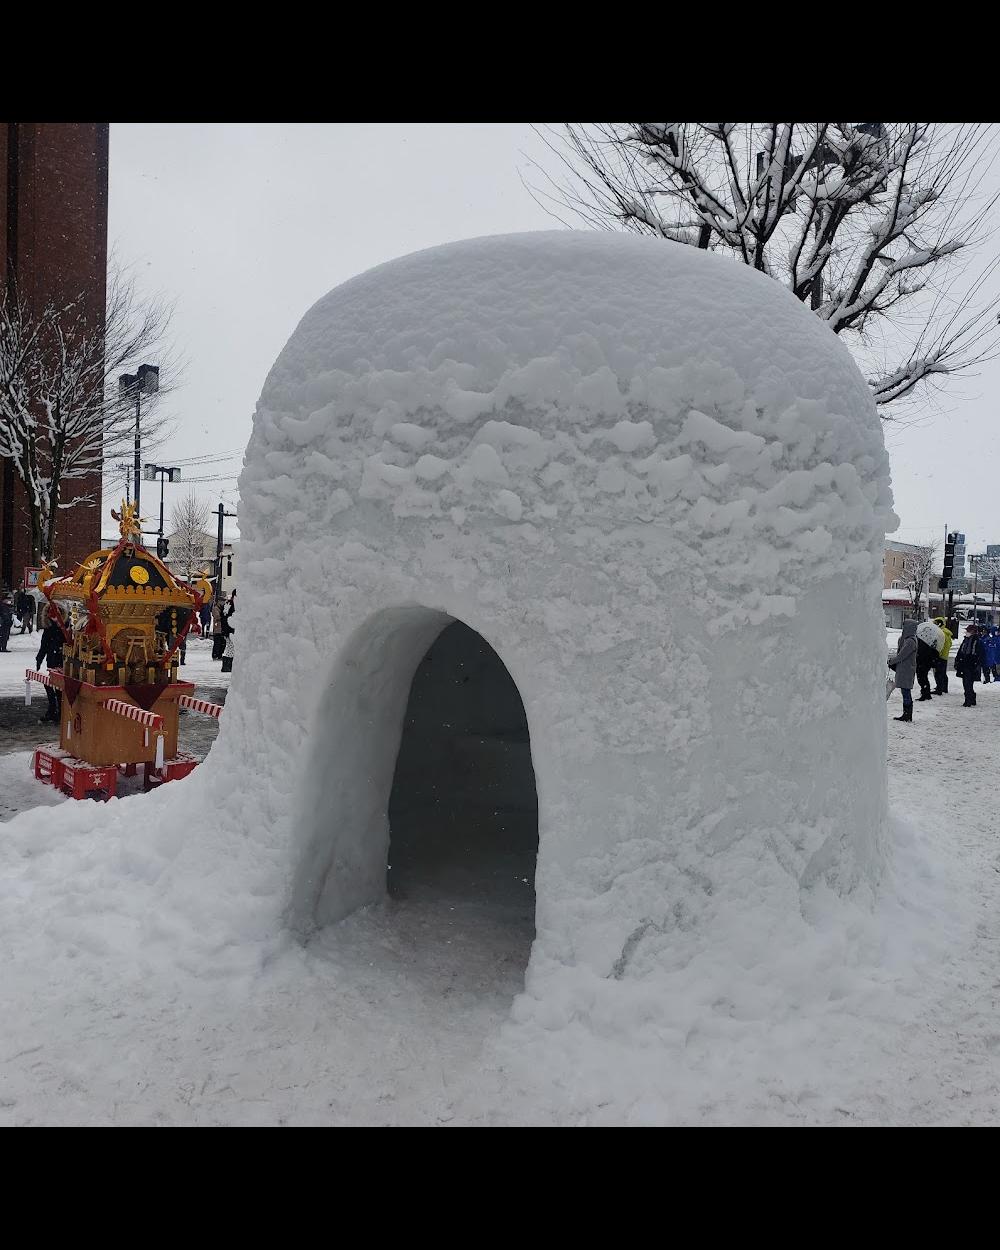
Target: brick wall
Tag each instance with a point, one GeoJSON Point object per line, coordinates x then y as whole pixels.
{"type": "Point", "coordinates": [54, 229]}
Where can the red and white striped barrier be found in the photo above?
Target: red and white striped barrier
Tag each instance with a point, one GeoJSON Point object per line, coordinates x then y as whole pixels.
{"type": "Point", "coordinates": [200, 705]}
{"type": "Point", "coordinates": [46, 679]}
{"type": "Point", "coordinates": [152, 720]}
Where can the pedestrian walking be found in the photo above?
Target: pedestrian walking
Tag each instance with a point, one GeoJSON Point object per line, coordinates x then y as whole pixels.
{"type": "Point", "coordinates": [6, 619]}
{"type": "Point", "coordinates": [205, 616]}
{"type": "Point", "coordinates": [941, 663]}
{"type": "Point", "coordinates": [969, 663]}
{"type": "Point", "coordinates": [50, 649]}
{"type": "Point", "coordinates": [904, 662]}
{"type": "Point", "coordinates": [24, 606]}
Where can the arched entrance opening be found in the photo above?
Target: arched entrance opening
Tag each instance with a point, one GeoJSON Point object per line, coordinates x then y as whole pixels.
{"type": "Point", "coordinates": [420, 792]}
{"type": "Point", "coordinates": [463, 811]}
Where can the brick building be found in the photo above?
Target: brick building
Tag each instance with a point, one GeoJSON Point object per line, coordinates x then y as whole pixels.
{"type": "Point", "coordinates": [54, 240]}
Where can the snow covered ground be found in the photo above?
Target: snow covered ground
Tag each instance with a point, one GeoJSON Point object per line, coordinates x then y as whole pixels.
{"type": "Point", "coordinates": [403, 1013]}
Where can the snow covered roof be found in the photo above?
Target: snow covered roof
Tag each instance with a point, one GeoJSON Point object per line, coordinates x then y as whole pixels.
{"type": "Point", "coordinates": [905, 548]}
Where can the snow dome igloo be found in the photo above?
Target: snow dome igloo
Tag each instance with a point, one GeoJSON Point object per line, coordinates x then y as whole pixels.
{"type": "Point", "coordinates": [565, 543]}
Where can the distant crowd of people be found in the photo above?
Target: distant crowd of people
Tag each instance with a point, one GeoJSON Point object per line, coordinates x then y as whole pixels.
{"type": "Point", "coordinates": [23, 606]}
{"type": "Point", "coordinates": [924, 648]}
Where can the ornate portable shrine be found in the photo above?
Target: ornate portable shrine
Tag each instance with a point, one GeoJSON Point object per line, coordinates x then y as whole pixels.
{"type": "Point", "coordinates": [124, 616]}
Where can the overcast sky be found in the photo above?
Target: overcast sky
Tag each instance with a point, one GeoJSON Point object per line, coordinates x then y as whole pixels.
{"type": "Point", "coordinates": [246, 226]}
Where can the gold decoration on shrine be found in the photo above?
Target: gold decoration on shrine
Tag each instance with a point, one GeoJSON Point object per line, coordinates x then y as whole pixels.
{"type": "Point", "coordinates": [128, 520]}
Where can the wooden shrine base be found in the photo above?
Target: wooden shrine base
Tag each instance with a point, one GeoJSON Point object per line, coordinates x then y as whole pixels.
{"type": "Point", "coordinates": [103, 738]}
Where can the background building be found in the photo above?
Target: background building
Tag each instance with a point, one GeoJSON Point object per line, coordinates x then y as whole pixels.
{"type": "Point", "coordinates": [204, 558]}
{"type": "Point", "coordinates": [893, 563]}
{"type": "Point", "coordinates": [54, 242]}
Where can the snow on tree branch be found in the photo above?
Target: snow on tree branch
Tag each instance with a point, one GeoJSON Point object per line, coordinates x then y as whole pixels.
{"type": "Point", "coordinates": [869, 223]}
{"type": "Point", "coordinates": [61, 416]}
{"type": "Point", "coordinates": [917, 568]}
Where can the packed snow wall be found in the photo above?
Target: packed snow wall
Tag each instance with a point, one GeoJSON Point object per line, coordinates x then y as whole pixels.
{"type": "Point", "coordinates": [655, 483]}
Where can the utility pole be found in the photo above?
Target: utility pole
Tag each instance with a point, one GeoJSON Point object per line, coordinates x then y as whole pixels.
{"type": "Point", "coordinates": [221, 510]}
{"type": "Point", "coordinates": [126, 470]}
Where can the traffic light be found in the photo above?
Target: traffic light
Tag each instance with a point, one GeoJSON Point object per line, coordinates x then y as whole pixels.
{"type": "Point", "coordinates": [948, 568]}
{"type": "Point", "coordinates": [162, 547]}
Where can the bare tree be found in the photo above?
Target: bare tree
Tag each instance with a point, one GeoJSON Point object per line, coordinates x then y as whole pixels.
{"type": "Point", "coordinates": [61, 418]}
{"type": "Point", "coordinates": [869, 224]}
{"type": "Point", "coordinates": [917, 567]}
{"type": "Point", "coordinates": [985, 576]}
{"type": "Point", "coordinates": [188, 537]}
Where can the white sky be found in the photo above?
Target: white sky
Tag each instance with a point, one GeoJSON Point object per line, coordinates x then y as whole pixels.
{"type": "Point", "coordinates": [245, 226]}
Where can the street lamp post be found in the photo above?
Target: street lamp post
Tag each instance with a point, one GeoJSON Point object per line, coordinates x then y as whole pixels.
{"type": "Point", "coordinates": [145, 382]}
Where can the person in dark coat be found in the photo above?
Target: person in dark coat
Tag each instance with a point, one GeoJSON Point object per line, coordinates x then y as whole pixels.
{"type": "Point", "coordinates": [927, 657]}
{"type": "Point", "coordinates": [969, 663]}
{"type": "Point", "coordinates": [218, 637]}
{"type": "Point", "coordinates": [984, 638]}
{"type": "Point", "coordinates": [51, 651]}
{"type": "Point", "coordinates": [905, 662]}
{"type": "Point", "coordinates": [6, 620]}
{"type": "Point", "coordinates": [991, 645]}
{"type": "Point", "coordinates": [228, 630]}
{"type": "Point", "coordinates": [24, 606]}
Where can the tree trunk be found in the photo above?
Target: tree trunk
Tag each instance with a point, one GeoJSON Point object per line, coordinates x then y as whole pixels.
{"type": "Point", "coordinates": [50, 532]}
{"type": "Point", "coordinates": [36, 534]}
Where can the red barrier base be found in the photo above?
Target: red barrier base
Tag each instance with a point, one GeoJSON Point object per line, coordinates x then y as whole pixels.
{"type": "Point", "coordinates": [76, 777]}
{"type": "Point", "coordinates": [58, 768]}
{"type": "Point", "coordinates": [47, 764]}
{"type": "Point", "coordinates": [172, 770]}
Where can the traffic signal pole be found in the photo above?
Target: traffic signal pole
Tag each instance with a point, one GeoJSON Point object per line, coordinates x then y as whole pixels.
{"type": "Point", "coordinates": [163, 473]}
{"type": "Point", "coordinates": [159, 532]}
{"type": "Point", "coordinates": [951, 592]}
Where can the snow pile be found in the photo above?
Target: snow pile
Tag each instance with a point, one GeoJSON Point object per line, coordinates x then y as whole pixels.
{"type": "Point", "coordinates": [657, 486]}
